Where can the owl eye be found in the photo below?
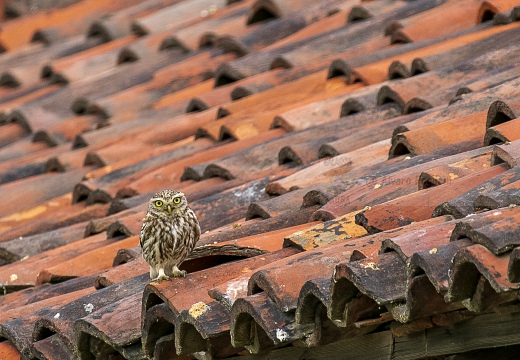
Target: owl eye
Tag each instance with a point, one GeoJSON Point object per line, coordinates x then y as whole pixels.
{"type": "Point", "coordinates": [158, 203]}
{"type": "Point", "coordinates": [177, 200]}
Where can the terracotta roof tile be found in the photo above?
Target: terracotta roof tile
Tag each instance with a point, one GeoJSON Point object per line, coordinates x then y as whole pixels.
{"type": "Point", "coordinates": [493, 7]}
{"type": "Point", "coordinates": [262, 149]}
{"type": "Point", "coordinates": [230, 204]}
{"type": "Point", "coordinates": [21, 148]}
{"type": "Point", "coordinates": [85, 264]}
{"type": "Point", "coordinates": [185, 14]}
{"type": "Point", "coordinates": [26, 271]}
{"type": "Point", "coordinates": [380, 185]}
{"type": "Point", "coordinates": [49, 186]}
{"type": "Point", "coordinates": [423, 299]}
{"type": "Point", "coordinates": [25, 246]}
{"type": "Point", "coordinates": [502, 133]}
{"type": "Point", "coordinates": [452, 16]}
{"type": "Point", "coordinates": [36, 294]}
{"type": "Point", "coordinates": [436, 87]}
{"type": "Point", "coordinates": [463, 205]}
{"type": "Point", "coordinates": [433, 137]}
{"type": "Point", "coordinates": [64, 324]}
{"type": "Point", "coordinates": [329, 110]}
{"type": "Point", "coordinates": [355, 39]}
{"type": "Point", "coordinates": [444, 173]}
{"type": "Point", "coordinates": [500, 112]}
{"type": "Point", "coordinates": [473, 261]}
{"type": "Point", "coordinates": [28, 165]}
{"type": "Point", "coordinates": [95, 326]}
{"type": "Point", "coordinates": [364, 135]}
{"type": "Point", "coordinates": [51, 348]}
{"type": "Point", "coordinates": [416, 241]}
{"type": "Point", "coordinates": [405, 210]}
{"type": "Point", "coordinates": [458, 47]}
{"type": "Point", "coordinates": [512, 271]}
{"type": "Point", "coordinates": [230, 21]}
{"type": "Point", "coordinates": [156, 294]}
{"type": "Point", "coordinates": [331, 22]}
{"type": "Point", "coordinates": [340, 136]}
{"type": "Point", "coordinates": [48, 217]}
{"type": "Point", "coordinates": [279, 100]}
{"type": "Point", "coordinates": [105, 187]}
{"type": "Point", "coordinates": [8, 351]}
{"type": "Point", "coordinates": [338, 165]}
{"type": "Point", "coordinates": [346, 65]}
{"type": "Point", "coordinates": [19, 31]}
{"type": "Point", "coordinates": [178, 170]}
{"type": "Point", "coordinates": [488, 80]}
{"type": "Point", "coordinates": [499, 236]}
{"type": "Point", "coordinates": [123, 106]}
{"type": "Point", "coordinates": [387, 266]}
{"type": "Point", "coordinates": [121, 271]}
{"type": "Point", "coordinates": [507, 152]}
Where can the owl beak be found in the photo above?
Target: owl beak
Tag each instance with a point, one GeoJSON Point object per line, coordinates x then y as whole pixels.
{"type": "Point", "coordinates": [170, 209]}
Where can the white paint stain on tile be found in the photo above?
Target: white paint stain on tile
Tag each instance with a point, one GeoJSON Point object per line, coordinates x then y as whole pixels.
{"type": "Point", "coordinates": [282, 335]}
{"type": "Point", "coordinates": [88, 307]}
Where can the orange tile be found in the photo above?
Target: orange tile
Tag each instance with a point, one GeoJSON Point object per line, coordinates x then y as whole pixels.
{"type": "Point", "coordinates": [24, 273]}
{"type": "Point", "coordinates": [450, 17]}
{"type": "Point", "coordinates": [18, 32]}
{"type": "Point", "coordinates": [88, 263]}
{"type": "Point", "coordinates": [341, 164]}
{"type": "Point", "coordinates": [489, 8]}
{"type": "Point", "coordinates": [377, 72]}
{"type": "Point", "coordinates": [432, 137]}
{"type": "Point", "coordinates": [8, 351]}
{"type": "Point", "coordinates": [85, 63]}
{"type": "Point", "coordinates": [506, 132]}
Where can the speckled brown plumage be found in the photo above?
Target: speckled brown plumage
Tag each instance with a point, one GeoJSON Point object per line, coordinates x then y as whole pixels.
{"type": "Point", "coordinates": [168, 235]}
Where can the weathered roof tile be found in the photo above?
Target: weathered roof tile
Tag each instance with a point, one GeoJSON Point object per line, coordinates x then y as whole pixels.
{"type": "Point", "coordinates": [156, 294]}
{"type": "Point", "coordinates": [502, 133]}
{"type": "Point", "coordinates": [463, 205]}
{"type": "Point", "coordinates": [85, 264]}
{"type": "Point", "coordinates": [23, 273]}
{"type": "Point", "coordinates": [474, 262]}
{"type": "Point", "coordinates": [420, 205]}
{"type": "Point", "coordinates": [380, 185]}
{"type": "Point", "coordinates": [389, 284]}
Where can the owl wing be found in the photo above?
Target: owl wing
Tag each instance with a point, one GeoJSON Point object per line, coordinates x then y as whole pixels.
{"type": "Point", "coordinates": [144, 230]}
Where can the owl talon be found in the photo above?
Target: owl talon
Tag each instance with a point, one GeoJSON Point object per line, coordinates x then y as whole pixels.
{"type": "Point", "coordinates": [161, 276]}
{"type": "Point", "coordinates": [178, 273]}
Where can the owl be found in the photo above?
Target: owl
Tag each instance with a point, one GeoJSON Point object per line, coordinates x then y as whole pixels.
{"type": "Point", "coordinates": [168, 235]}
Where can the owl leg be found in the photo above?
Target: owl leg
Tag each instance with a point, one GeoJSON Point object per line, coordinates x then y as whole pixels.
{"type": "Point", "coordinates": [161, 276]}
{"type": "Point", "coordinates": [178, 273]}
{"type": "Point", "coordinates": [153, 273]}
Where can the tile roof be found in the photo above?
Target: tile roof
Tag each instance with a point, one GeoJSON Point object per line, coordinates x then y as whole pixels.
{"type": "Point", "coordinates": [354, 165]}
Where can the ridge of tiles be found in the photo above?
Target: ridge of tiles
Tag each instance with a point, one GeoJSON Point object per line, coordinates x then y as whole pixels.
{"type": "Point", "coordinates": [356, 176]}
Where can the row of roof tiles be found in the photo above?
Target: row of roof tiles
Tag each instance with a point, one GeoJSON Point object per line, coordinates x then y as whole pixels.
{"type": "Point", "coordinates": [351, 169]}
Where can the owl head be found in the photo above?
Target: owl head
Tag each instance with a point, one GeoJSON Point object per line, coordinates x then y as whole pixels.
{"type": "Point", "coordinates": [167, 203]}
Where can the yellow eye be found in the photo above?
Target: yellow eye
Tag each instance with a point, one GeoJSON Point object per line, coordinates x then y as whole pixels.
{"type": "Point", "coordinates": [158, 203]}
{"type": "Point", "coordinates": [177, 200]}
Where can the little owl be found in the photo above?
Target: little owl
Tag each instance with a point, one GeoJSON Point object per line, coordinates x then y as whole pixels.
{"type": "Point", "coordinates": [168, 235]}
